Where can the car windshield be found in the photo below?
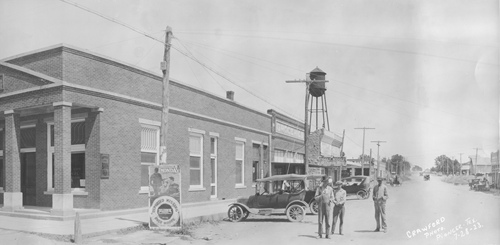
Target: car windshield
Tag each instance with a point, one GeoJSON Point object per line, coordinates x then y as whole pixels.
{"type": "Point", "coordinates": [353, 181]}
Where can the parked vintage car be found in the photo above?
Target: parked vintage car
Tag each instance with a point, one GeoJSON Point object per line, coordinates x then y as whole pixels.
{"type": "Point", "coordinates": [473, 183]}
{"type": "Point", "coordinates": [291, 194]}
{"type": "Point", "coordinates": [357, 185]}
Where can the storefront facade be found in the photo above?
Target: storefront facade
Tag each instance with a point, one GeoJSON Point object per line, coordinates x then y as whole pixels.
{"type": "Point", "coordinates": [80, 130]}
{"type": "Point", "coordinates": [287, 151]}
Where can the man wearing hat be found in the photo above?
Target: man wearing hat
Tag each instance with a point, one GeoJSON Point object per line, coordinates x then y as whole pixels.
{"type": "Point", "coordinates": [379, 198]}
{"type": "Point", "coordinates": [324, 198]}
{"type": "Point", "coordinates": [339, 197]}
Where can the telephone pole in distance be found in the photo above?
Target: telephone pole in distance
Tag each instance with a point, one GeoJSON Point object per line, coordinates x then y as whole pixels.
{"type": "Point", "coordinates": [378, 155]}
{"type": "Point", "coordinates": [363, 150]}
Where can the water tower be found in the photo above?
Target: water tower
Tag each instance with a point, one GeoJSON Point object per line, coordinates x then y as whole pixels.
{"type": "Point", "coordinates": [318, 108]}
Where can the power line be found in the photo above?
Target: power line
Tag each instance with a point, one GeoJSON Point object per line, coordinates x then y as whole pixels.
{"type": "Point", "coordinates": [178, 50]}
{"type": "Point", "coordinates": [491, 45]}
{"type": "Point", "coordinates": [475, 62]}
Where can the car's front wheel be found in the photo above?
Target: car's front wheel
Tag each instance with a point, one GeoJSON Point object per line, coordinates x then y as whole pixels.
{"type": "Point", "coordinates": [362, 194]}
{"type": "Point", "coordinates": [313, 206]}
{"type": "Point", "coordinates": [295, 213]}
{"type": "Point", "coordinates": [235, 213]}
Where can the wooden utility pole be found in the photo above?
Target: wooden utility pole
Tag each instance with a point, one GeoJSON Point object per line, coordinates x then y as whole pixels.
{"type": "Point", "coordinates": [165, 68]}
{"type": "Point", "coordinates": [308, 82]}
{"type": "Point", "coordinates": [342, 155]}
{"type": "Point", "coordinates": [378, 155]}
{"type": "Point", "coordinates": [363, 150]}
{"type": "Point", "coordinates": [472, 165]}
{"type": "Point", "coordinates": [370, 164]}
{"type": "Point", "coordinates": [460, 170]}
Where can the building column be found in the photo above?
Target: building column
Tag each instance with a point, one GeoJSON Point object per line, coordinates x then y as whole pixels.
{"type": "Point", "coordinates": [62, 198]}
{"type": "Point", "coordinates": [13, 197]}
{"type": "Point", "coordinates": [93, 166]}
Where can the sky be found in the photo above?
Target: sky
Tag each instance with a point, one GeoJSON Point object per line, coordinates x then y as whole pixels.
{"type": "Point", "coordinates": [423, 73]}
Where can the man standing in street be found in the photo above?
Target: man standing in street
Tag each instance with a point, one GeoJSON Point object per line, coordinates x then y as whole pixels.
{"type": "Point", "coordinates": [339, 198]}
{"type": "Point", "coordinates": [379, 198]}
{"type": "Point", "coordinates": [324, 198]}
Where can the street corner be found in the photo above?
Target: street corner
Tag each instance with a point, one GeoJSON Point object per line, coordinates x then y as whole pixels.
{"type": "Point", "coordinates": [138, 237]}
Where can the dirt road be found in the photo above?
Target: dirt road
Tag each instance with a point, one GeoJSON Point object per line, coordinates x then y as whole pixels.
{"type": "Point", "coordinates": [419, 212]}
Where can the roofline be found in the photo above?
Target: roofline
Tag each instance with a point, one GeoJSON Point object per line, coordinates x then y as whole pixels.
{"type": "Point", "coordinates": [30, 72]}
{"type": "Point", "coordinates": [131, 67]}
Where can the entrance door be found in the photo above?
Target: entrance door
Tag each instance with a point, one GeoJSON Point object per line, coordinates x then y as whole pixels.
{"type": "Point", "coordinates": [28, 181]}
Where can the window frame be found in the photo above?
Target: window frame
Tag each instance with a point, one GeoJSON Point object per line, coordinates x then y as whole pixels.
{"type": "Point", "coordinates": [3, 162]}
{"type": "Point", "coordinates": [214, 157]}
{"type": "Point", "coordinates": [80, 148]}
{"type": "Point", "coordinates": [155, 126]}
{"type": "Point", "coordinates": [200, 134]}
{"type": "Point", "coordinates": [242, 142]}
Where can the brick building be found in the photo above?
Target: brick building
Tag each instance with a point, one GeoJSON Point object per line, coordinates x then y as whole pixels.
{"type": "Point", "coordinates": [63, 111]}
{"type": "Point", "coordinates": [287, 150]}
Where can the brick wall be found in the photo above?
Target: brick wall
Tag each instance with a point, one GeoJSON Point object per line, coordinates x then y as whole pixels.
{"type": "Point", "coordinates": [14, 80]}
{"type": "Point", "coordinates": [119, 130]}
{"type": "Point", "coordinates": [48, 62]}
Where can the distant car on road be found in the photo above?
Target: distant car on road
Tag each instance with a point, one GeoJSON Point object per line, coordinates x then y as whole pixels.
{"type": "Point", "coordinates": [358, 185]}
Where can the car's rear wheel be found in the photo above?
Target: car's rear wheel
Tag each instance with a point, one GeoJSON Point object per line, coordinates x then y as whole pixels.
{"type": "Point", "coordinates": [235, 213]}
{"type": "Point", "coordinates": [313, 206]}
{"type": "Point", "coordinates": [295, 213]}
{"type": "Point", "coordinates": [361, 194]}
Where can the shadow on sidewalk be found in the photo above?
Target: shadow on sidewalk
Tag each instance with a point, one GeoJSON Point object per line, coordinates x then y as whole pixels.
{"type": "Point", "coordinates": [135, 221]}
{"type": "Point", "coordinates": [365, 231]}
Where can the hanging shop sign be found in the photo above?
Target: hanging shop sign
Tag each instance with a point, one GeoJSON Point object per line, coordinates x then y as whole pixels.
{"type": "Point", "coordinates": [165, 197]}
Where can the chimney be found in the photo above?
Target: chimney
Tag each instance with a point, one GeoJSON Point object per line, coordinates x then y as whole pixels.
{"type": "Point", "coordinates": [230, 95]}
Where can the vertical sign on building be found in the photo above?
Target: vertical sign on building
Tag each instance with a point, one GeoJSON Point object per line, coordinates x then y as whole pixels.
{"type": "Point", "coordinates": [165, 197]}
{"type": "Point", "coordinates": [104, 166]}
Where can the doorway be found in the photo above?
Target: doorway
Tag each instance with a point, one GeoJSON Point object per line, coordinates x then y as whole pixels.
{"type": "Point", "coordinates": [28, 178]}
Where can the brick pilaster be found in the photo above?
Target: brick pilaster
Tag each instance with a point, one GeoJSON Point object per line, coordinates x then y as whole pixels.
{"type": "Point", "coordinates": [62, 198]}
{"type": "Point", "coordinates": [62, 147]}
{"type": "Point", "coordinates": [93, 158]}
{"type": "Point", "coordinates": [13, 198]}
{"type": "Point", "coordinates": [12, 153]}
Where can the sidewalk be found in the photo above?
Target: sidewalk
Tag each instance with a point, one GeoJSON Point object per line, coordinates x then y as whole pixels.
{"type": "Point", "coordinates": [96, 222]}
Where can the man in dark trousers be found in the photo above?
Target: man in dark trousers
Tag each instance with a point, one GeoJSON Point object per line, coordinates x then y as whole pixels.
{"type": "Point", "coordinates": [380, 196]}
{"type": "Point", "coordinates": [324, 198]}
{"type": "Point", "coordinates": [339, 198]}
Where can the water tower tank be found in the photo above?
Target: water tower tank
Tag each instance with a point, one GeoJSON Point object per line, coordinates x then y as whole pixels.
{"type": "Point", "coordinates": [317, 89]}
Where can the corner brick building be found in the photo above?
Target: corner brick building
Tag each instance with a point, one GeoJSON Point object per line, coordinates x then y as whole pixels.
{"type": "Point", "coordinates": [63, 111]}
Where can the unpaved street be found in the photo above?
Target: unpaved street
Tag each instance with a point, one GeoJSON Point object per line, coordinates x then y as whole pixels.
{"type": "Point", "coordinates": [450, 214]}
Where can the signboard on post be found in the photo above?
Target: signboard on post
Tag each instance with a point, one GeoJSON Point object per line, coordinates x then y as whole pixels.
{"type": "Point", "coordinates": [165, 197]}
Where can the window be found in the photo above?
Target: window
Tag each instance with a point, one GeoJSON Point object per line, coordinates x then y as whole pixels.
{"type": "Point", "coordinates": [1, 82]}
{"type": "Point", "coordinates": [150, 147]}
{"type": "Point", "coordinates": [28, 137]}
{"type": "Point", "coordinates": [1, 141]}
{"type": "Point", "coordinates": [195, 160]}
{"type": "Point", "coordinates": [213, 167]}
{"type": "Point", "coordinates": [1, 159]}
{"type": "Point", "coordinates": [77, 154]}
{"type": "Point", "coordinates": [240, 162]}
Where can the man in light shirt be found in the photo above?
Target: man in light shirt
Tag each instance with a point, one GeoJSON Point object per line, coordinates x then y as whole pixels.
{"type": "Point", "coordinates": [339, 198]}
{"type": "Point", "coordinates": [379, 198]}
{"type": "Point", "coordinates": [324, 198]}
